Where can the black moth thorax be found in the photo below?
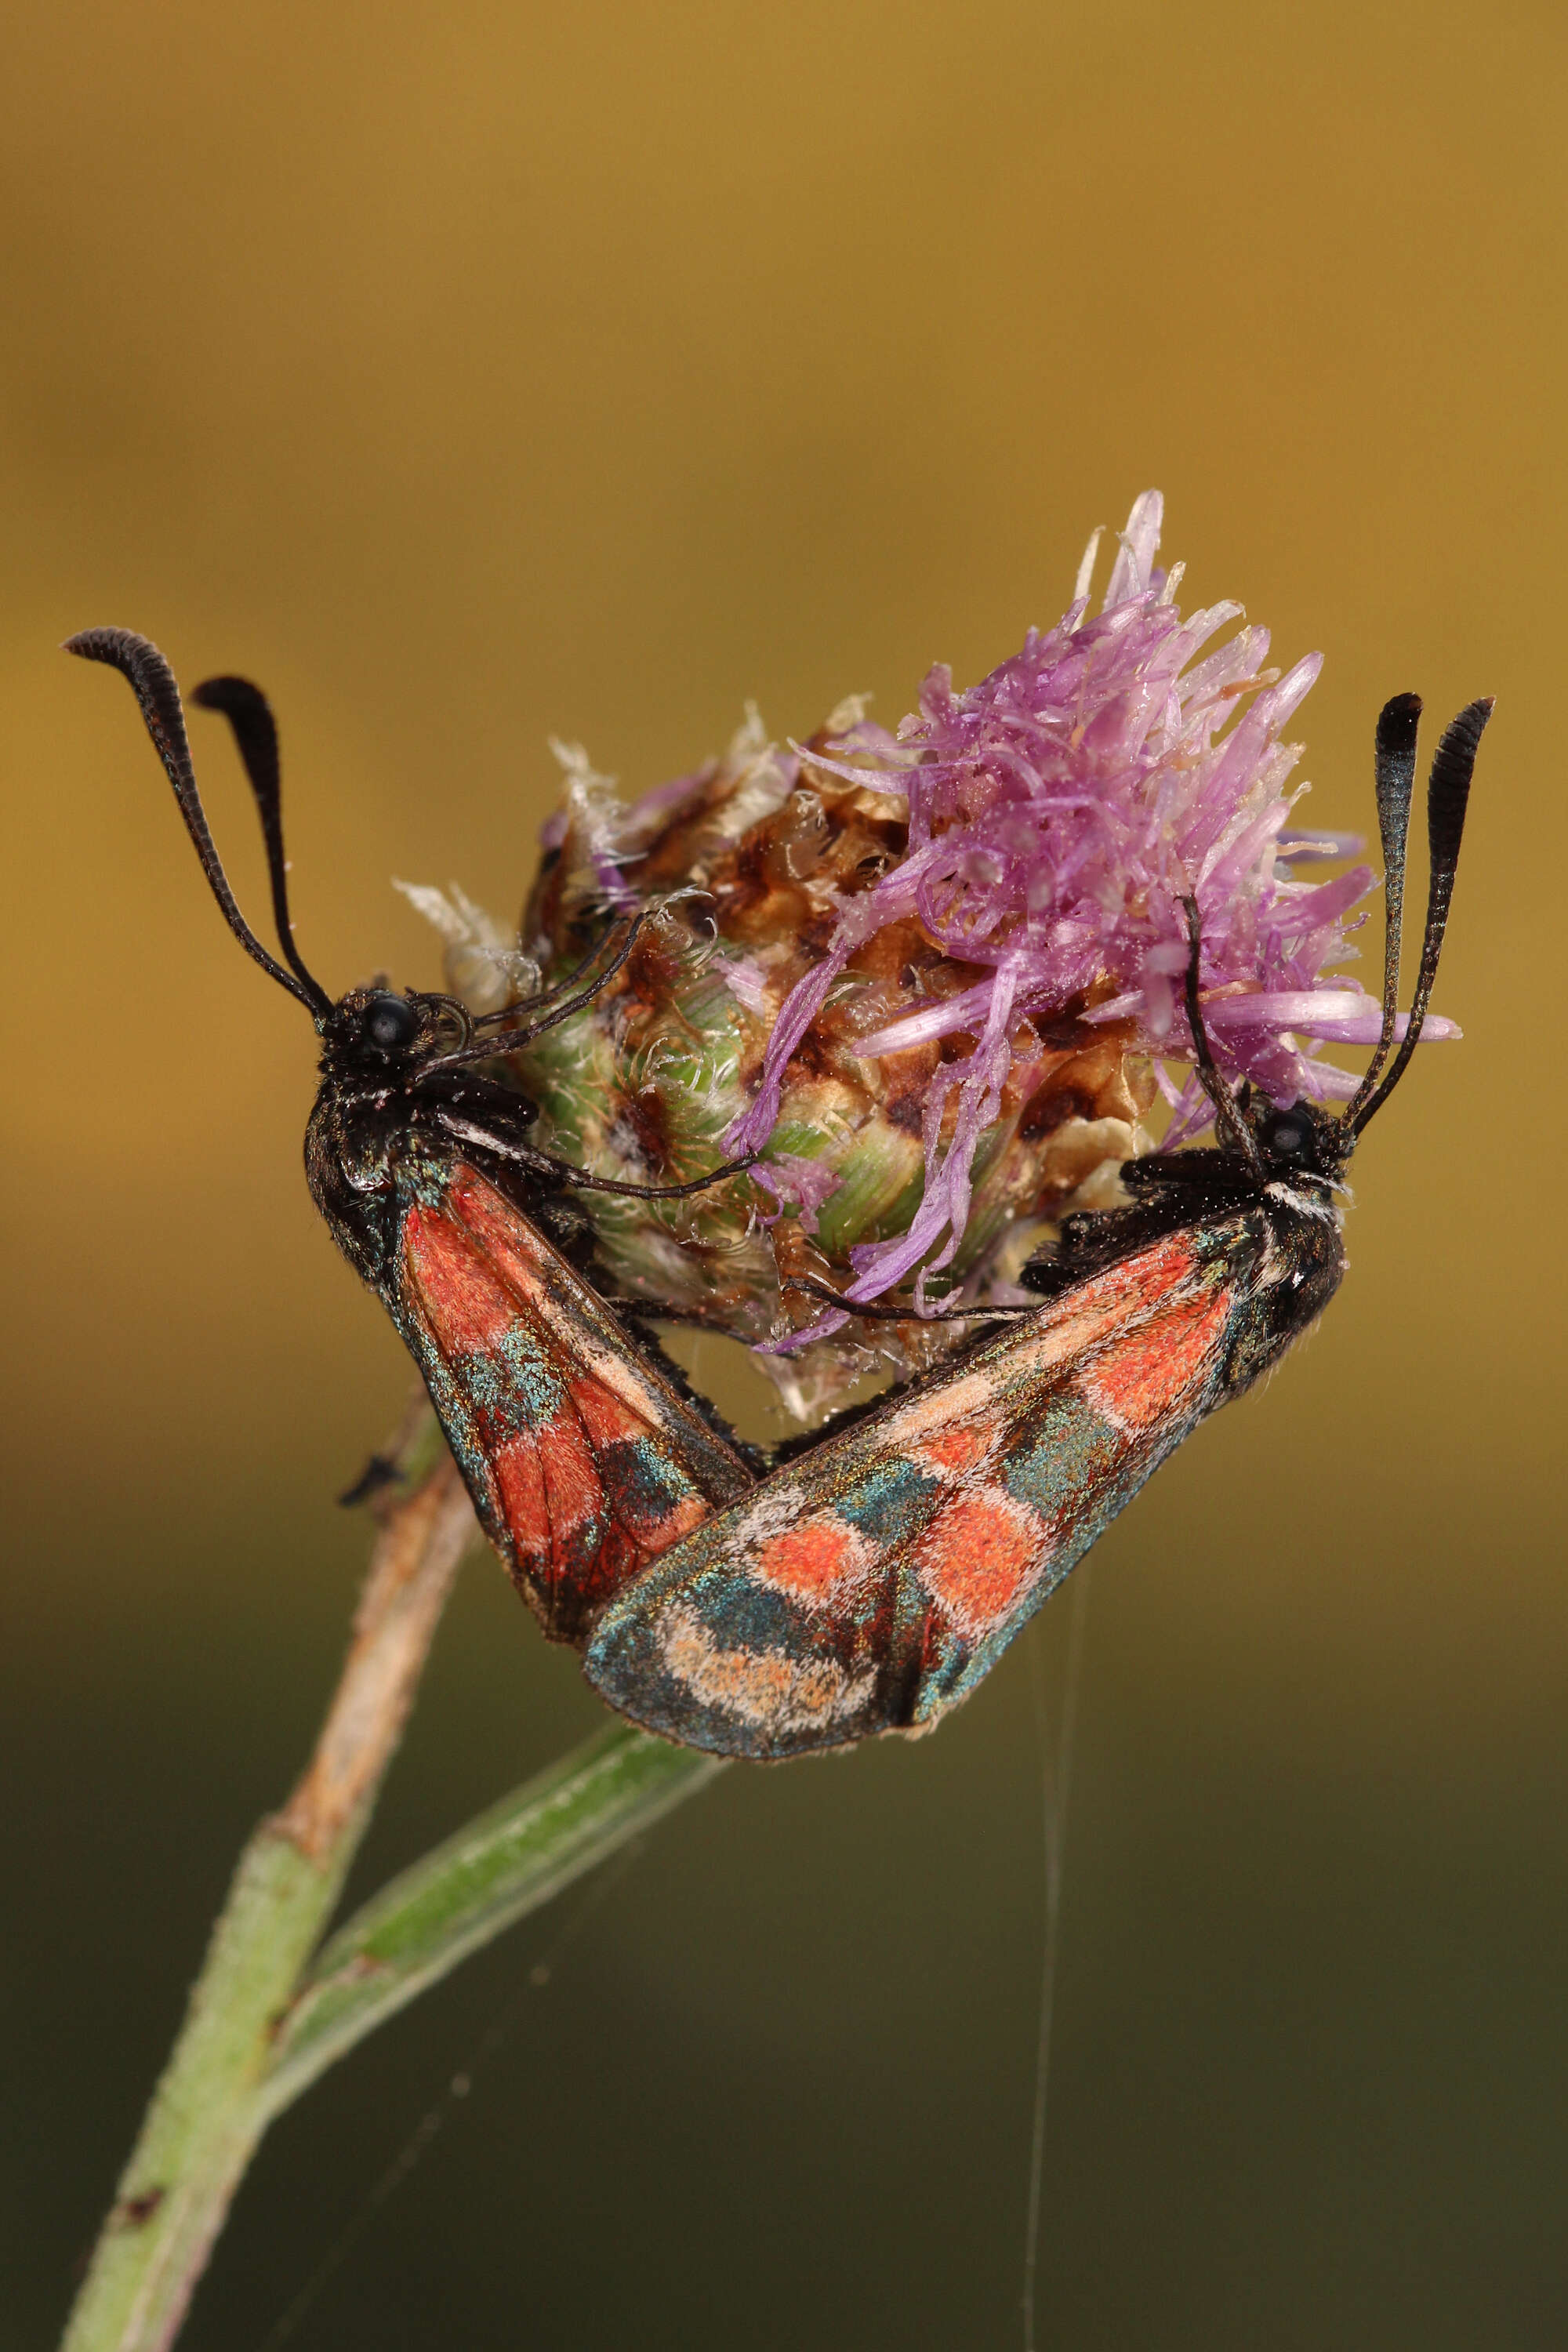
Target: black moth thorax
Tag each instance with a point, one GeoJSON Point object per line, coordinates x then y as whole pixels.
{"type": "Point", "coordinates": [379, 1136]}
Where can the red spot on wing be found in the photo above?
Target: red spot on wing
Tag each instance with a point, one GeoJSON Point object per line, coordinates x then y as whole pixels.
{"type": "Point", "coordinates": [608, 1418]}
{"type": "Point", "coordinates": [581, 1501]}
{"type": "Point", "coordinates": [1098, 1310]}
{"type": "Point", "coordinates": [1147, 1372]}
{"type": "Point", "coordinates": [579, 1530]}
{"type": "Point", "coordinates": [554, 1508]}
{"type": "Point", "coordinates": [807, 1561]}
{"type": "Point", "coordinates": [950, 1452]}
{"type": "Point", "coordinates": [979, 1555]}
{"type": "Point", "coordinates": [610, 1421]}
{"type": "Point", "coordinates": [575, 1489]}
{"type": "Point", "coordinates": [525, 1505]}
{"type": "Point", "coordinates": [1135, 1285]}
{"type": "Point", "coordinates": [466, 1304]}
{"type": "Point", "coordinates": [504, 1237]}
{"type": "Point", "coordinates": [678, 1521]}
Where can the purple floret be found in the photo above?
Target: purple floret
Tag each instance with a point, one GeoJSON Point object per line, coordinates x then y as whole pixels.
{"type": "Point", "coordinates": [1059, 812]}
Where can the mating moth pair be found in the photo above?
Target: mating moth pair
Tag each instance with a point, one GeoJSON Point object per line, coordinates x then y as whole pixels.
{"type": "Point", "coordinates": [868, 1584]}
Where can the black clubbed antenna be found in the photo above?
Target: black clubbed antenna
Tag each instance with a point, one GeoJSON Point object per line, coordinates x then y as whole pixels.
{"type": "Point", "coordinates": [250, 715]}
{"type": "Point", "coordinates": [1393, 777]}
{"type": "Point", "coordinates": [1447, 796]}
{"type": "Point", "coordinates": [152, 683]}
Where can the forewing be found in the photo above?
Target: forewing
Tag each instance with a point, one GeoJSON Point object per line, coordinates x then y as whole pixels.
{"type": "Point", "coordinates": [582, 1461]}
{"type": "Point", "coordinates": [868, 1587]}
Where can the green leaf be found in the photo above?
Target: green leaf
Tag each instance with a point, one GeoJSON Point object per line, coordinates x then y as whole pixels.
{"type": "Point", "coordinates": [504, 1863]}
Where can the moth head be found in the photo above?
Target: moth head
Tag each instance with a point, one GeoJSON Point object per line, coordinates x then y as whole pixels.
{"type": "Point", "coordinates": [381, 1034]}
{"type": "Point", "coordinates": [1304, 1135]}
{"type": "Point", "coordinates": [373, 1030]}
{"type": "Point", "coordinates": [1302, 1141]}
{"type": "Point", "coordinates": [387, 1024]}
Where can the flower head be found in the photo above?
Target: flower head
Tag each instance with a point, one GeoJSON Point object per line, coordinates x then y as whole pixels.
{"type": "Point", "coordinates": [1059, 814]}
{"type": "Point", "coordinates": [935, 975]}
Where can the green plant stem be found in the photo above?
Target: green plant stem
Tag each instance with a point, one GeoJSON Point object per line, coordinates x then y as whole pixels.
{"type": "Point", "coordinates": [204, 2120]}
{"type": "Point", "coordinates": [263, 2020]}
{"type": "Point", "coordinates": [206, 2113]}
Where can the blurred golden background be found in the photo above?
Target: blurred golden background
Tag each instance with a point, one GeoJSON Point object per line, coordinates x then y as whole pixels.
{"type": "Point", "coordinates": [472, 374]}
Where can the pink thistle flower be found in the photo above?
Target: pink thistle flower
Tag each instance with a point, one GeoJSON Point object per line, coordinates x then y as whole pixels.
{"type": "Point", "coordinates": [1059, 813]}
{"type": "Point", "coordinates": [937, 975]}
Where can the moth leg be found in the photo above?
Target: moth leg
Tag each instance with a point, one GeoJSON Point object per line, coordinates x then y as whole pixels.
{"type": "Point", "coordinates": [563, 987]}
{"type": "Point", "coordinates": [580, 1181]}
{"type": "Point", "coordinates": [544, 1164]}
{"type": "Point", "coordinates": [648, 1310]}
{"type": "Point", "coordinates": [872, 1314]}
{"type": "Point", "coordinates": [378, 1472]}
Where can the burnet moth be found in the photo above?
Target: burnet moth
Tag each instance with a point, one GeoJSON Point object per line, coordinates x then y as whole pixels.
{"type": "Point", "coordinates": [870, 1586]}
{"type": "Point", "coordinates": [866, 1585]}
{"type": "Point", "coordinates": [583, 1459]}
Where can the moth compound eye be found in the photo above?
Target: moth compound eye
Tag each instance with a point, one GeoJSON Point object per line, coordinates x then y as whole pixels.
{"type": "Point", "coordinates": [1289, 1137]}
{"type": "Point", "coordinates": [389, 1023]}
